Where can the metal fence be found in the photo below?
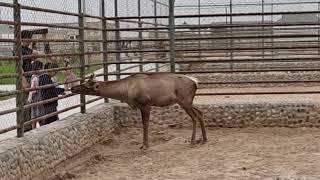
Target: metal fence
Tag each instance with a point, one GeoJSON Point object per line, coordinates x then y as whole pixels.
{"type": "Point", "coordinates": [72, 34]}
{"type": "Point", "coordinates": [121, 37]}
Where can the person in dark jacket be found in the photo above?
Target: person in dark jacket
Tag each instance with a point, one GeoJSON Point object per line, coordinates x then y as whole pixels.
{"type": "Point", "coordinates": [27, 50]}
{"type": "Point", "coordinates": [49, 93]}
{"type": "Point", "coordinates": [27, 65]}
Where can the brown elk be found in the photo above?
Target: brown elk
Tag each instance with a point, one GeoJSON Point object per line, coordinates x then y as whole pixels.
{"type": "Point", "coordinates": [145, 90]}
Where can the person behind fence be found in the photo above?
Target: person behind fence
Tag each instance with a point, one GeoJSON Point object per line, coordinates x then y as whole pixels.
{"type": "Point", "coordinates": [26, 50]}
{"type": "Point", "coordinates": [70, 77]}
{"type": "Point", "coordinates": [52, 62]}
{"type": "Point", "coordinates": [35, 95]}
{"type": "Point", "coordinates": [48, 93]}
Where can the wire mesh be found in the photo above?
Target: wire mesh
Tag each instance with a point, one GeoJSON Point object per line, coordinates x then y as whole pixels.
{"type": "Point", "coordinates": [56, 53]}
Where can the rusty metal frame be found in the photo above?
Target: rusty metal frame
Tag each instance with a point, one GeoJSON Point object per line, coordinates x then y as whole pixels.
{"type": "Point", "coordinates": [20, 101]}
{"type": "Point", "coordinates": [221, 37]}
{"type": "Point", "coordinates": [222, 26]}
{"type": "Point", "coordinates": [215, 15]}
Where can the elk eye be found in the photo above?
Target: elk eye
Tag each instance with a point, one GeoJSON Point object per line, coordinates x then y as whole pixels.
{"type": "Point", "coordinates": [97, 86]}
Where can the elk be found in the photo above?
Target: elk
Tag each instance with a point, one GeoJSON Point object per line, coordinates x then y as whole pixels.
{"type": "Point", "coordinates": [143, 90]}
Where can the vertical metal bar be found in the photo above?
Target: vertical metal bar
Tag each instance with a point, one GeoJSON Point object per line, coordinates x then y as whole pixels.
{"type": "Point", "coordinates": [140, 37]}
{"type": "Point", "coordinates": [82, 51]}
{"type": "Point", "coordinates": [318, 30]}
{"type": "Point", "coordinates": [199, 31]}
{"type": "Point", "coordinates": [104, 43]}
{"type": "Point", "coordinates": [212, 33]}
{"type": "Point", "coordinates": [272, 31]}
{"type": "Point", "coordinates": [84, 10]}
{"type": "Point", "coordinates": [20, 100]}
{"type": "Point", "coordinates": [156, 26]}
{"type": "Point", "coordinates": [226, 11]}
{"type": "Point", "coordinates": [172, 36]}
{"type": "Point", "coordinates": [231, 33]}
{"type": "Point", "coordinates": [263, 29]}
{"type": "Point", "coordinates": [223, 41]}
{"type": "Point", "coordinates": [117, 36]}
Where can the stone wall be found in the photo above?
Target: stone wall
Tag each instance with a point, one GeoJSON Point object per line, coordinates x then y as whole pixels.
{"type": "Point", "coordinates": [45, 147]}
{"type": "Point", "coordinates": [230, 115]}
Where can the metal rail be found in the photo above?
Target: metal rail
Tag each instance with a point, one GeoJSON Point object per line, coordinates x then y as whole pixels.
{"type": "Point", "coordinates": [223, 37]}
{"type": "Point", "coordinates": [226, 25]}
{"type": "Point", "coordinates": [217, 15]}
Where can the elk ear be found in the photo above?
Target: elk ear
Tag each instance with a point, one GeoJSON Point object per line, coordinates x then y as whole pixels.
{"type": "Point", "coordinates": [96, 86]}
{"type": "Point", "coordinates": [92, 77]}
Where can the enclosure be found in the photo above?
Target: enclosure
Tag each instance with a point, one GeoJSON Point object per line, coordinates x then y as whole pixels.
{"type": "Point", "coordinates": [250, 153]}
{"type": "Point", "coordinates": [224, 44]}
{"type": "Point", "coordinates": [257, 61]}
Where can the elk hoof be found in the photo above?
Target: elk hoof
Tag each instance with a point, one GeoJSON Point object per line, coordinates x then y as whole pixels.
{"type": "Point", "coordinates": [204, 141]}
{"type": "Point", "coordinates": [192, 143]}
{"type": "Point", "coordinates": [144, 147]}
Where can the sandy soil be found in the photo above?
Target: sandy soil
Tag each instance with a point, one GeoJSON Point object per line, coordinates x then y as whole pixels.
{"type": "Point", "coordinates": [235, 154]}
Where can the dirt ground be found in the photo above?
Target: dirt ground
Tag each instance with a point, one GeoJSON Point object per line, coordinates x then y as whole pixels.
{"type": "Point", "coordinates": [235, 154]}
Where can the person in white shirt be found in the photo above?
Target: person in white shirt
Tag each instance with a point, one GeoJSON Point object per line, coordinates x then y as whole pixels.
{"type": "Point", "coordinates": [35, 95]}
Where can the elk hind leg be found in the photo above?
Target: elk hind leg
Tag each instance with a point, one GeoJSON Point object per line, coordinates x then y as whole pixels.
{"type": "Point", "coordinates": [145, 112]}
{"type": "Point", "coordinates": [142, 102]}
{"type": "Point", "coordinates": [200, 118]}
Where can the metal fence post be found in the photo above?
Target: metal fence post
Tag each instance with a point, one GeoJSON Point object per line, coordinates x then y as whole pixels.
{"type": "Point", "coordinates": [263, 29]}
{"type": "Point", "coordinates": [84, 11]}
{"type": "Point", "coordinates": [20, 100]}
{"type": "Point", "coordinates": [82, 51]}
{"type": "Point", "coordinates": [140, 36]}
{"type": "Point", "coordinates": [155, 3]}
{"type": "Point", "coordinates": [104, 44]}
{"type": "Point", "coordinates": [117, 26]}
{"type": "Point", "coordinates": [318, 29]}
{"type": "Point", "coordinates": [227, 45]}
{"type": "Point", "coordinates": [231, 34]}
{"type": "Point", "coordinates": [172, 36]}
{"type": "Point", "coordinates": [199, 30]}
{"type": "Point", "coordinates": [272, 31]}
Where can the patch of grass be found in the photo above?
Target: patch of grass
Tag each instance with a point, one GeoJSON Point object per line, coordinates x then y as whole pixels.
{"type": "Point", "coordinates": [7, 81]}
{"type": "Point", "coordinates": [7, 67]}
{"type": "Point", "coordinates": [10, 68]}
{"type": "Point", "coordinates": [6, 97]}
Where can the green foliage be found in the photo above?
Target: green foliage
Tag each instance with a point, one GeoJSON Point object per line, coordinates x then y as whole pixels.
{"type": "Point", "coordinates": [9, 67]}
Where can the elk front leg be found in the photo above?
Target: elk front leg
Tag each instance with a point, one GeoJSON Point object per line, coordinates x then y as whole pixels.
{"type": "Point", "coordinates": [199, 115]}
{"type": "Point", "coordinates": [145, 113]}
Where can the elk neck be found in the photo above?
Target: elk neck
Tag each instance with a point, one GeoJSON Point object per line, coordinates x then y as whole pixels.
{"type": "Point", "coordinates": [114, 89]}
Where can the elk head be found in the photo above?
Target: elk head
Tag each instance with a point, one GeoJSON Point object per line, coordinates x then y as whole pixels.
{"type": "Point", "coordinates": [89, 87]}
